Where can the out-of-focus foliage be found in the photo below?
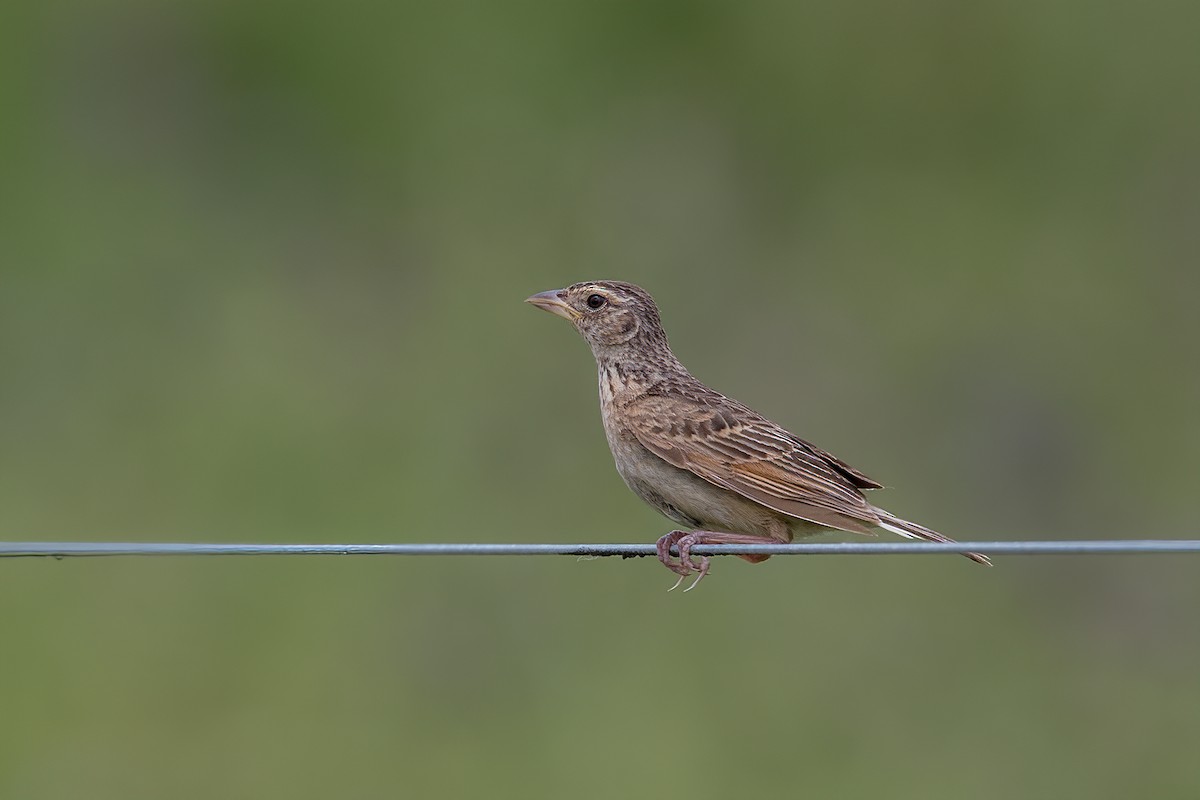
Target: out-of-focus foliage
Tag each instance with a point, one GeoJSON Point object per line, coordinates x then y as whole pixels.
{"type": "Point", "coordinates": [261, 267]}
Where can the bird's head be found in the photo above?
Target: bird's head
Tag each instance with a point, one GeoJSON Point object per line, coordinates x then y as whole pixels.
{"type": "Point", "coordinates": [610, 315]}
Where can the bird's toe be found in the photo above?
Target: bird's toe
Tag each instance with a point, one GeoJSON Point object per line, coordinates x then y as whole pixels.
{"type": "Point", "coordinates": [663, 549]}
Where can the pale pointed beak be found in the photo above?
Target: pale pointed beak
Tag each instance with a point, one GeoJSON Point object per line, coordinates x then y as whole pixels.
{"type": "Point", "coordinates": [553, 302]}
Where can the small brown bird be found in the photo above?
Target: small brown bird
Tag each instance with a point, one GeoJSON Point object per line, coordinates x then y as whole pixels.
{"type": "Point", "coordinates": [707, 462]}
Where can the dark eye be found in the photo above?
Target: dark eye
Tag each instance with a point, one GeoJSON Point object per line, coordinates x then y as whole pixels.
{"type": "Point", "coordinates": [596, 300]}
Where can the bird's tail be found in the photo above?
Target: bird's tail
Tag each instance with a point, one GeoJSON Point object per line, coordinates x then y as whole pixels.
{"type": "Point", "coordinates": [912, 530]}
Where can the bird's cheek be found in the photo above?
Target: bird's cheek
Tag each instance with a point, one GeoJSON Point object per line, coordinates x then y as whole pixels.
{"type": "Point", "coordinates": [619, 330]}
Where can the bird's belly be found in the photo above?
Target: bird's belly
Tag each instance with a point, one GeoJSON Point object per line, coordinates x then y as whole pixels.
{"type": "Point", "coordinates": [688, 499]}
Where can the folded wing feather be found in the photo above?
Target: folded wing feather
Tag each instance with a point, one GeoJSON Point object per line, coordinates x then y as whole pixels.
{"type": "Point", "coordinates": [734, 448]}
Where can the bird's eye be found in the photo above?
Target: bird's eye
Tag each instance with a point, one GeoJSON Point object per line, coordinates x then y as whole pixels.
{"type": "Point", "coordinates": [594, 301]}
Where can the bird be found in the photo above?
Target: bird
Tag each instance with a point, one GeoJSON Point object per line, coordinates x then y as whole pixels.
{"type": "Point", "coordinates": [723, 472]}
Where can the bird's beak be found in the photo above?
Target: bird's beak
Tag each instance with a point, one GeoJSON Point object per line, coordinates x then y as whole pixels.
{"type": "Point", "coordinates": [553, 302]}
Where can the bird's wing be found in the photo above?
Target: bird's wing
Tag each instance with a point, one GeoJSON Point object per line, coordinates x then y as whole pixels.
{"type": "Point", "coordinates": [730, 446]}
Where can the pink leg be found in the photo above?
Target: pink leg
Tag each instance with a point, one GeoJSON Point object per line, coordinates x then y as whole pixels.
{"type": "Point", "coordinates": [686, 541]}
{"type": "Point", "coordinates": [686, 544]}
{"type": "Point", "coordinates": [663, 547]}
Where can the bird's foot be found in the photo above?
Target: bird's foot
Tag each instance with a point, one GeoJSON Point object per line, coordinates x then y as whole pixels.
{"type": "Point", "coordinates": [685, 557]}
{"type": "Point", "coordinates": [684, 566]}
{"type": "Point", "coordinates": [663, 547]}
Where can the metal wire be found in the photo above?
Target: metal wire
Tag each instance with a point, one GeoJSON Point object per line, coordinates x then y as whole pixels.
{"type": "Point", "coordinates": [85, 549]}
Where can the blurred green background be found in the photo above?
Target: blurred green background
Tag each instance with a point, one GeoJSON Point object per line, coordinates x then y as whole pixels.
{"type": "Point", "coordinates": [261, 272]}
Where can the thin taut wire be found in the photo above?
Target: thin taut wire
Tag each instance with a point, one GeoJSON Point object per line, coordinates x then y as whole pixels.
{"type": "Point", "coordinates": [82, 549]}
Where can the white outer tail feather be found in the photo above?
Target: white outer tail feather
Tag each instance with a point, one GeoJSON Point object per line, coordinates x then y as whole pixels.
{"type": "Point", "coordinates": [911, 530]}
{"type": "Point", "coordinates": [888, 527]}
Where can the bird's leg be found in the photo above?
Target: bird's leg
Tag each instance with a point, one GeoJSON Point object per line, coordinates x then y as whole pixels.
{"type": "Point", "coordinates": [663, 547]}
{"type": "Point", "coordinates": [687, 542]}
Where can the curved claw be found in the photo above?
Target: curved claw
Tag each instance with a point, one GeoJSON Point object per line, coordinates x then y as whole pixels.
{"type": "Point", "coordinates": [685, 541]}
{"type": "Point", "coordinates": [702, 569]}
